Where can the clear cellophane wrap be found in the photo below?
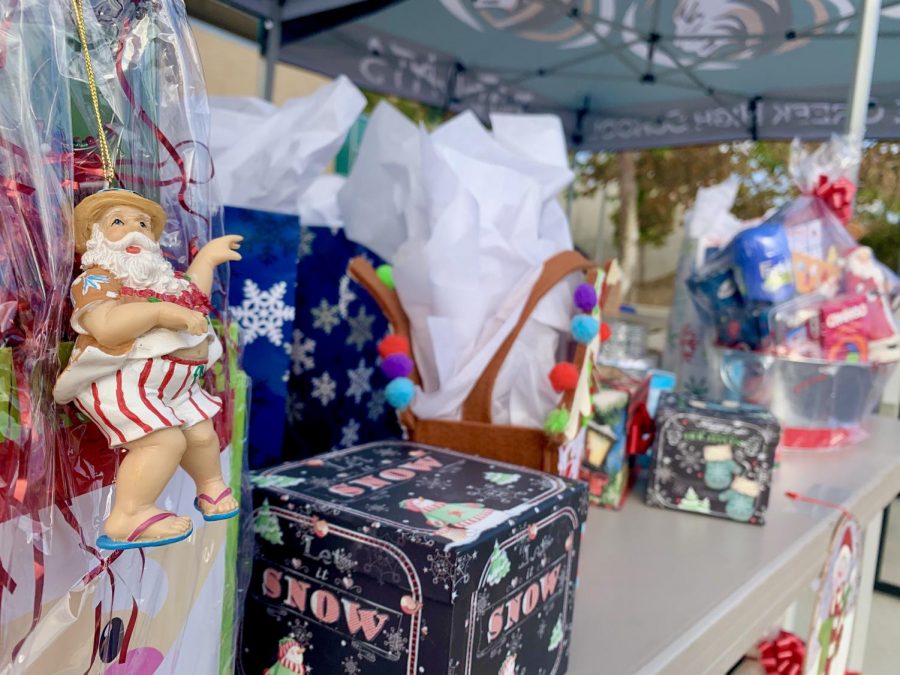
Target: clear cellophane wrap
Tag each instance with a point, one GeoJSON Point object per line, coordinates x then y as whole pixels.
{"type": "Point", "coordinates": [65, 606]}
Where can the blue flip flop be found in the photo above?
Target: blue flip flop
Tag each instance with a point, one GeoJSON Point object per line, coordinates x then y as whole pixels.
{"type": "Point", "coordinates": [108, 544]}
{"type": "Point", "coordinates": [215, 516]}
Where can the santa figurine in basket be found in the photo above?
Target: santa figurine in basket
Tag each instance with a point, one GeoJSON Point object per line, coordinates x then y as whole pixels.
{"type": "Point", "coordinates": [144, 343]}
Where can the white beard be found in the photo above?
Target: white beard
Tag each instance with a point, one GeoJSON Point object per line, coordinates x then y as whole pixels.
{"type": "Point", "coordinates": [863, 266]}
{"type": "Point", "coordinates": [294, 656]}
{"type": "Point", "coordinates": [147, 269]}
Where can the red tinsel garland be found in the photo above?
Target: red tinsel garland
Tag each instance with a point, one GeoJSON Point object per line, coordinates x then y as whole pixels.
{"type": "Point", "coordinates": [191, 297]}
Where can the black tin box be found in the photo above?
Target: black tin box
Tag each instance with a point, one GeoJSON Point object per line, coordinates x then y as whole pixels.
{"type": "Point", "coordinates": [398, 558]}
{"type": "Point", "coordinates": [713, 458]}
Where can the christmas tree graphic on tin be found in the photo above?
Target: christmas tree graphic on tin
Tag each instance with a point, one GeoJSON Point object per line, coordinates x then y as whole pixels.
{"type": "Point", "coordinates": [498, 567]}
{"type": "Point", "coordinates": [500, 478]}
{"type": "Point", "coordinates": [276, 481]}
{"type": "Point", "coordinates": [692, 502]}
{"type": "Point", "coordinates": [290, 659]}
{"type": "Point", "coordinates": [266, 525]}
{"type": "Point", "coordinates": [556, 635]}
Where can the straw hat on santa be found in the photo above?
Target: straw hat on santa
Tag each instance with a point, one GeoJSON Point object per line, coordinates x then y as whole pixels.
{"type": "Point", "coordinates": [91, 209]}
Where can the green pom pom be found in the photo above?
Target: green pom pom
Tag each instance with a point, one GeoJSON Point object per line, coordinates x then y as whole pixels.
{"type": "Point", "coordinates": [556, 421]}
{"type": "Point", "coordinates": [386, 274]}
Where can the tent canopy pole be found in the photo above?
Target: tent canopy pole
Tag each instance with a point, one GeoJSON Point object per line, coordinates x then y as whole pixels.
{"type": "Point", "coordinates": [858, 105]}
{"type": "Point", "coordinates": [273, 45]}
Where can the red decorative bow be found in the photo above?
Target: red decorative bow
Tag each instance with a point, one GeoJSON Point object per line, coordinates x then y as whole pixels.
{"type": "Point", "coordinates": [837, 195]}
{"type": "Point", "coordinates": [640, 430]}
{"type": "Point", "coordinates": [782, 656]}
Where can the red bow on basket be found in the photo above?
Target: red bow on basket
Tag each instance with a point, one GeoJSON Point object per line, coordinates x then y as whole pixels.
{"type": "Point", "coordinates": [782, 656]}
{"type": "Point", "coordinates": [837, 195]}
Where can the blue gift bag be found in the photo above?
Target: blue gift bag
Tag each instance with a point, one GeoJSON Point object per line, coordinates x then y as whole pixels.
{"type": "Point", "coordinates": [261, 300]}
{"type": "Point", "coordinates": [336, 387]}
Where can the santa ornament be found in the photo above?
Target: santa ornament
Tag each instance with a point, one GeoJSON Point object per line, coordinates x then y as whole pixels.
{"type": "Point", "coordinates": [144, 344]}
{"type": "Point", "coordinates": [832, 629]}
{"type": "Point", "coordinates": [862, 273]}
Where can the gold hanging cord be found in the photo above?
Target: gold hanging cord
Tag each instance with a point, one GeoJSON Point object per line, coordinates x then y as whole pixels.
{"type": "Point", "coordinates": [109, 175]}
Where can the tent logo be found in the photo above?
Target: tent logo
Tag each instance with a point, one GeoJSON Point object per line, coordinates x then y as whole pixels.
{"type": "Point", "coordinates": [578, 23]}
{"type": "Point", "coordinates": [716, 34]}
{"type": "Point", "coordinates": [701, 34]}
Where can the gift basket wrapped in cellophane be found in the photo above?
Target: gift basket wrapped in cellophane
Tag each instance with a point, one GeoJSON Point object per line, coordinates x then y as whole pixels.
{"type": "Point", "coordinates": [65, 605]}
{"type": "Point", "coordinates": [800, 314]}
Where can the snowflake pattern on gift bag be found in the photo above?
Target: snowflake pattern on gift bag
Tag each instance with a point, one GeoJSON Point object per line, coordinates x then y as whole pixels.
{"type": "Point", "coordinates": [324, 389]}
{"type": "Point", "coordinates": [359, 377]}
{"type": "Point", "coordinates": [303, 353]}
{"type": "Point", "coordinates": [261, 299]}
{"type": "Point", "coordinates": [336, 384]}
{"type": "Point", "coordinates": [263, 313]}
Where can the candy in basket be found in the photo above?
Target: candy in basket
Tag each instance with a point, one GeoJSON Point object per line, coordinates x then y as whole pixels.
{"type": "Point", "coordinates": [800, 313]}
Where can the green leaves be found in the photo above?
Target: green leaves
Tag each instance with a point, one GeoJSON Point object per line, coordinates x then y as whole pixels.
{"type": "Point", "coordinates": [668, 178]}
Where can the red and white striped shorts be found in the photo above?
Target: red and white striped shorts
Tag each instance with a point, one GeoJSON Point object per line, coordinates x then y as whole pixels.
{"type": "Point", "coordinates": [147, 395]}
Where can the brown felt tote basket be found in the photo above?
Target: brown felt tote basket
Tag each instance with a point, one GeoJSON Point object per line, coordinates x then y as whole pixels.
{"type": "Point", "coordinates": [475, 433]}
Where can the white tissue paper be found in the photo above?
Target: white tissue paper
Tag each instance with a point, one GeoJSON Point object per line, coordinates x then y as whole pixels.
{"type": "Point", "coordinates": [467, 217]}
{"type": "Point", "coordinates": [267, 157]}
{"type": "Point", "coordinates": [382, 202]}
{"type": "Point", "coordinates": [710, 221]}
{"type": "Point", "coordinates": [318, 206]}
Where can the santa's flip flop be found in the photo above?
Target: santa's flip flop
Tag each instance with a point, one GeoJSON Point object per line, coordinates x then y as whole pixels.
{"type": "Point", "coordinates": [109, 544]}
{"type": "Point", "coordinates": [209, 500]}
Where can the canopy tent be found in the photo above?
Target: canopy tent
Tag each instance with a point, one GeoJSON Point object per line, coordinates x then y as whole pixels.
{"type": "Point", "coordinates": [621, 73]}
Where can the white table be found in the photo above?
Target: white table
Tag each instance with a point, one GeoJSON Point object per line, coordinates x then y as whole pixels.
{"type": "Point", "coordinates": [667, 592]}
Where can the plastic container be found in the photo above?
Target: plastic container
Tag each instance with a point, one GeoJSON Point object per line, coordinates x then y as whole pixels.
{"type": "Point", "coordinates": [820, 404]}
{"type": "Point", "coordinates": [627, 342]}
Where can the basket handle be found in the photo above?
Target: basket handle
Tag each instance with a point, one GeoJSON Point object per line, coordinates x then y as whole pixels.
{"type": "Point", "coordinates": [362, 272]}
{"type": "Point", "coordinates": [477, 406]}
